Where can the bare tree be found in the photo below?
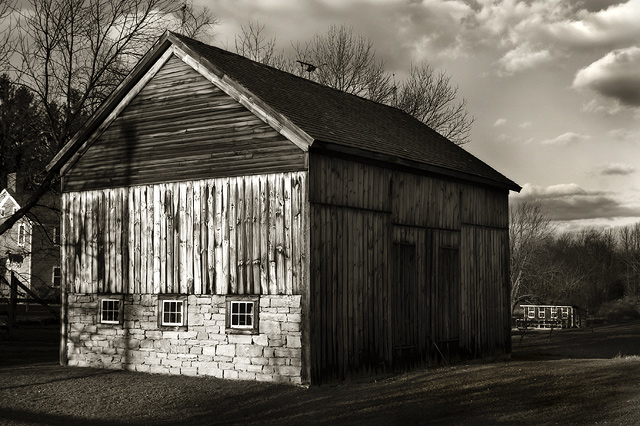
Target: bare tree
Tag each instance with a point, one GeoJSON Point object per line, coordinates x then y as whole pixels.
{"type": "Point", "coordinates": [253, 44]}
{"type": "Point", "coordinates": [529, 227]}
{"type": "Point", "coordinates": [431, 98]}
{"type": "Point", "coordinates": [346, 61]}
{"type": "Point", "coordinates": [629, 243]}
{"type": "Point", "coordinates": [6, 43]}
{"type": "Point", "coordinates": [73, 53]}
{"type": "Point", "coordinates": [195, 23]}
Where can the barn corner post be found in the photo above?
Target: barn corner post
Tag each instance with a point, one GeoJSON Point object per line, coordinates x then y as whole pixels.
{"type": "Point", "coordinates": [305, 281]}
{"type": "Point", "coordinates": [64, 298]}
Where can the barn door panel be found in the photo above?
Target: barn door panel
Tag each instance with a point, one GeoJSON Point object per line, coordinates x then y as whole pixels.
{"type": "Point", "coordinates": [406, 307]}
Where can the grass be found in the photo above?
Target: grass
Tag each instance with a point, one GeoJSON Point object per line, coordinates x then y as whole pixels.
{"type": "Point", "coordinates": [569, 377]}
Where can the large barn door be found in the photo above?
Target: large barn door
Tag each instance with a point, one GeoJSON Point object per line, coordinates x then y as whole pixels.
{"type": "Point", "coordinates": [405, 307]}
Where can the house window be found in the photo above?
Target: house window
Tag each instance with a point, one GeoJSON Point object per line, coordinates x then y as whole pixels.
{"type": "Point", "coordinates": [531, 312]}
{"type": "Point", "coordinates": [242, 314]}
{"type": "Point", "coordinates": [172, 312]}
{"type": "Point", "coordinates": [110, 311]}
{"type": "Point", "coordinates": [554, 313]}
{"type": "Point", "coordinates": [56, 235]}
{"type": "Point", "coordinates": [565, 313]}
{"type": "Point", "coordinates": [22, 235]}
{"type": "Point", "coordinates": [56, 279]}
{"type": "Point", "coordinates": [541, 313]}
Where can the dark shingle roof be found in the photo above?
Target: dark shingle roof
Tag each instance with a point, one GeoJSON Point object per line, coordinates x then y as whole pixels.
{"type": "Point", "coordinates": [334, 117]}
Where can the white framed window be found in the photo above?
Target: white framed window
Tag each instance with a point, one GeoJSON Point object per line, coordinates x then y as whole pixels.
{"type": "Point", "coordinates": [554, 312]}
{"type": "Point", "coordinates": [565, 313]}
{"type": "Point", "coordinates": [22, 235]}
{"type": "Point", "coordinates": [56, 276]}
{"type": "Point", "coordinates": [110, 311]}
{"type": "Point", "coordinates": [55, 235]}
{"type": "Point", "coordinates": [541, 313]}
{"type": "Point", "coordinates": [172, 312]}
{"type": "Point", "coordinates": [242, 314]}
{"type": "Point", "coordinates": [531, 312]}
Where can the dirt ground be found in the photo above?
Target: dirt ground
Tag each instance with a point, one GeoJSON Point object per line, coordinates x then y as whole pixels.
{"type": "Point", "coordinates": [568, 377]}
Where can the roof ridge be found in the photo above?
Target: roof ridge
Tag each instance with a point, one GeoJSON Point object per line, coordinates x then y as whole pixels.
{"type": "Point", "coordinates": [301, 78]}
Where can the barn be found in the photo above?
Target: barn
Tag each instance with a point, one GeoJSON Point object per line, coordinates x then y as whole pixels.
{"type": "Point", "coordinates": [224, 218]}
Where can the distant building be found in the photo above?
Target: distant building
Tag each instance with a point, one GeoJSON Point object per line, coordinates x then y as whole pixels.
{"type": "Point", "coordinates": [31, 248]}
{"type": "Point", "coordinates": [548, 316]}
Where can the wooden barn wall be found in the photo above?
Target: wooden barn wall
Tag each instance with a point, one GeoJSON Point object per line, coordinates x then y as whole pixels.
{"type": "Point", "coordinates": [181, 127]}
{"type": "Point", "coordinates": [238, 235]}
{"type": "Point", "coordinates": [421, 260]}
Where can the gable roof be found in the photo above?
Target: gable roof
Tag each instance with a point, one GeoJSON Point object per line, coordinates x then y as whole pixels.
{"type": "Point", "coordinates": [309, 114]}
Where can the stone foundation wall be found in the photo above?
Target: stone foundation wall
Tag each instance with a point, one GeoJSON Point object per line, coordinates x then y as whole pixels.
{"type": "Point", "coordinates": [203, 347]}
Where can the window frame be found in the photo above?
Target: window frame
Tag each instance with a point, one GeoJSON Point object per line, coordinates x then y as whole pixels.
{"type": "Point", "coordinates": [554, 312]}
{"type": "Point", "coordinates": [254, 328]}
{"type": "Point", "coordinates": [56, 238]}
{"type": "Point", "coordinates": [22, 235]}
{"type": "Point", "coordinates": [101, 309]}
{"type": "Point", "coordinates": [182, 299]}
{"type": "Point", "coordinates": [53, 276]}
{"type": "Point", "coordinates": [541, 313]}
{"type": "Point", "coordinates": [531, 312]}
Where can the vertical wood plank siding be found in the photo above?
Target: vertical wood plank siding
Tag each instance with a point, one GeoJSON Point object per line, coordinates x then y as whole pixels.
{"type": "Point", "coordinates": [181, 127]}
{"type": "Point", "coordinates": [365, 221]}
{"type": "Point", "coordinates": [239, 235]}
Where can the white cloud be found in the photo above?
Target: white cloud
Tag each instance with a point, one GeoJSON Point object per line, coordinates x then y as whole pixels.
{"type": "Point", "coordinates": [616, 169]}
{"type": "Point", "coordinates": [500, 122]}
{"type": "Point", "coordinates": [522, 58]}
{"type": "Point", "coordinates": [615, 26]}
{"type": "Point", "coordinates": [526, 125]}
{"type": "Point", "coordinates": [570, 202]}
{"type": "Point", "coordinates": [615, 76]}
{"type": "Point", "coordinates": [566, 139]}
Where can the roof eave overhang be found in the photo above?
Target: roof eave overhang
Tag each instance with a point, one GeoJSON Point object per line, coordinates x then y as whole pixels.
{"type": "Point", "coordinates": [394, 161]}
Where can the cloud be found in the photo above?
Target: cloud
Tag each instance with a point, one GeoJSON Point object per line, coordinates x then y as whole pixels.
{"type": "Point", "coordinates": [566, 139]}
{"type": "Point", "coordinates": [614, 26]}
{"type": "Point", "coordinates": [624, 135]}
{"type": "Point", "coordinates": [526, 125]}
{"type": "Point", "coordinates": [569, 202]}
{"type": "Point", "coordinates": [522, 58]}
{"type": "Point", "coordinates": [615, 76]}
{"type": "Point", "coordinates": [500, 122]}
{"type": "Point", "coordinates": [616, 169]}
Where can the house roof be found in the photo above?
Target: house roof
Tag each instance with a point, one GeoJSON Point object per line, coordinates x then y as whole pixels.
{"type": "Point", "coordinates": [316, 115]}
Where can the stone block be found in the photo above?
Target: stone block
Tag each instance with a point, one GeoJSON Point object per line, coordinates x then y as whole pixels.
{"type": "Point", "coordinates": [189, 371]}
{"type": "Point", "coordinates": [246, 375]}
{"type": "Point", "coordinates": [294, 342]}
{"type": "Point", "coordinates": [287, 352]}
{"type": "Point", "coordinates": [269, 327]}
{"type": "Point", "coordinates": [287, 370]}
{"type": "Point", "coordinates": [230, 374]}
{"type": "Point", "coordinates": [153, 334]}
{"type": "Point", "coordinates": [215, 372]}
{"type": "Point", "coordinates": [260, 339]}
{"type": "Point", "coordinates": [209, 350]}
{"type": "Point", "coordinates": [260, 361]}
{"type": "Point", "coordinates": [242, 339]}
{"type": "Point", "coordinates": [250, 351]}
{"type": "Point", "coordinates": [226, 350]}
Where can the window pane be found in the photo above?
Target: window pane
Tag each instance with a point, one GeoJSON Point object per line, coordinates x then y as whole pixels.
{"type": "Point", "coordinates": [242, 314]}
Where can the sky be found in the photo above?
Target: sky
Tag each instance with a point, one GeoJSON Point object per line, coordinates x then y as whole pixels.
{"type": "Point", "coordinates": [554, 85]}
